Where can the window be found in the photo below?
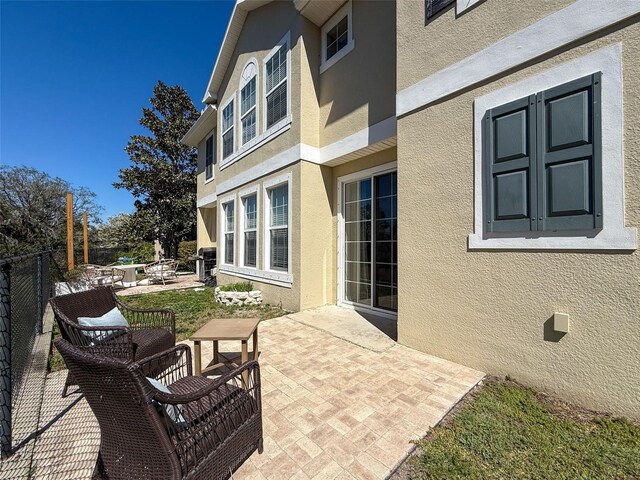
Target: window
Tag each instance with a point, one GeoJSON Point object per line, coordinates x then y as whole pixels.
{"type": "Point", "coordinates": [248, 107]}
{"type": "Point", "coordinates": [250, 226]}
{"type": "Point", "coordinates": [542, 161]}
{"type": "Point", "coordinates": [279, 227]}
{"type": "Point", "coordinates": [227, 129]}
{"type": "Point", "coordinates": [433, 7]}
{"type": "Point", "coordinates": [209, 157]}
{"type": "Point", "coordinates": [337, 37]}
{"type": "Point", "coordinates": [276, 78]}
{"type": "Point", "coordinates": [229, 229]}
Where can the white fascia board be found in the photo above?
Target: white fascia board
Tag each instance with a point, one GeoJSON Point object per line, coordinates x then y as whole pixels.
{"type": "Point", "coordinates": [368, 136]}
{"type": "Point", "coordinates": [205, 123]}
{"type": "Point", "coordinates": [578, 20]}
{"type": "Point", "coordinates": [208, 201]}
{"type": "Point", "coordinates": [238, 16]}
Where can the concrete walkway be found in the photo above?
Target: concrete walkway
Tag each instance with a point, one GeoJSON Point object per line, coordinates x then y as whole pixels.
{"type": "Point", "coordinates": [333, 408]}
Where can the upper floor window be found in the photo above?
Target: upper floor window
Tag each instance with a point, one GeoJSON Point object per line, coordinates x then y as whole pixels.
{"type": "Point", "coordinates": [337, 37]}
{"type": "Point", "coordinates": [276, 79]}
{"type": "Point", "coordinates": [248, 104]}
{"type": "Point", "coordinates": [227, 129]}
{"type": "Point", "coordinates": [209, 157]}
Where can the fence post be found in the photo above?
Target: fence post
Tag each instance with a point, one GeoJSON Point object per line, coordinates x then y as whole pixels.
{"type": "Point", "coordinates": [5, 359]}
{"type": "Point", "coordinates": [40, 312]}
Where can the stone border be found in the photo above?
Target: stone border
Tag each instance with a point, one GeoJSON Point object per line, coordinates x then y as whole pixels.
{"type": "Point", "coordinates": [254, 297]}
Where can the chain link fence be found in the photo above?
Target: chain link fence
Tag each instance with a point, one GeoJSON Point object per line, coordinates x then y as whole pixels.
{"type": "Point", "coordinates": [25, 287]}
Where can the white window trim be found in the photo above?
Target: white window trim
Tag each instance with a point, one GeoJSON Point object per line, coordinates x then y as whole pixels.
{"type": "Point", "coordinates": [242, 195]}
{"type": "Point", "coordinates": [223, 227]}
{"type": "Point", "coordinates": [232, 98]}
{"type": "Point", "coordinates": [212, 134]}
{"type": "Point", "coordinates": [614, 235]}
{"type": "Point", "coordinates": [286, 40]}
{"type": "Point", "coordinates": [346, 9]}
{"type": "Point", "coordinates": [243, 83]}
{"type": "Point", "coordinates": [352, 177]}
{"type": "Point", "coordinates": [267, 134]}
{"type": "Point", "coordinates": [462, 5]}
{"type": "Point", "coordinates": [266, 256]}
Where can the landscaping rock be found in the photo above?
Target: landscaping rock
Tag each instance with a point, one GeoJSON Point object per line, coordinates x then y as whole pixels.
{"type": "Point", "coordinates": [253, 297]}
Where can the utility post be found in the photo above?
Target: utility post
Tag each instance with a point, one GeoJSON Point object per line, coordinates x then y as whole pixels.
{"type": "Point", "coordinates": [70, 264]}
{"type": "Point", "coordinates": [85, 228]}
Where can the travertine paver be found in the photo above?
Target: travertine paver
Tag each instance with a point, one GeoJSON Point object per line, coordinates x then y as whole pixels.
{"type": "Point", "coordinates": [332, 409]}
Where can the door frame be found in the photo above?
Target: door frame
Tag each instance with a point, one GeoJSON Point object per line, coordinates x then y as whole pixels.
{"type": "Point", "coordinates": [352, 177]}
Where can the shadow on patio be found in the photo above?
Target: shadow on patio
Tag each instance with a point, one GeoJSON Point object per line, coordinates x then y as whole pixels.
{"type": "Point", "coordinates": [344, 404]}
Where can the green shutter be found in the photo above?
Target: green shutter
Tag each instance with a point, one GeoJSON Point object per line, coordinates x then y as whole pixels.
{"type": "Point", "coordinates": [569, 156]}
{"type": "Point", "coordinates": [509, 173]}
{"type": "Point", "coordinates": [433, 7]}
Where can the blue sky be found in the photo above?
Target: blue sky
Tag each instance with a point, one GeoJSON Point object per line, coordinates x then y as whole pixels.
{"type": "Point", "coordinates": [75, 76]}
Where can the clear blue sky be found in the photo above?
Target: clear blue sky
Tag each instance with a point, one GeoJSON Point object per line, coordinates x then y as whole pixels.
{"type": "Point", "coordinates": [75, 76]}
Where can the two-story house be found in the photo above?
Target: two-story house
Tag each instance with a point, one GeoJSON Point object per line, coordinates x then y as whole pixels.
{"type": "Point", "coordinates": [469, 167]}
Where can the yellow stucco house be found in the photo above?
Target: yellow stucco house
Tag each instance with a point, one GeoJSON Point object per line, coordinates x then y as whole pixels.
{"type": "Point", "coordinates": [467, 168]}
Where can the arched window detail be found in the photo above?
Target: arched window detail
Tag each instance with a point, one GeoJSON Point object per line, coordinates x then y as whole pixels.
{"type": "Point", "coordinates": [248, 103]}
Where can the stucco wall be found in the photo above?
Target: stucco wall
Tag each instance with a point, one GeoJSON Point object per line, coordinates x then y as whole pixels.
{"type": "Point", "coordinates": [206, 227]}
{"type": "Point", "coordinates": [487, 309]}
{"type": "Point", "coordinates": [359, 89]}
{"type": "Point", "coordinates": [446, 39]}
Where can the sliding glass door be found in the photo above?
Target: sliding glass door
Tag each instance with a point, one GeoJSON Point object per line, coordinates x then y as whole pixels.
{"type": "Point", "coordinates": [370, 273]}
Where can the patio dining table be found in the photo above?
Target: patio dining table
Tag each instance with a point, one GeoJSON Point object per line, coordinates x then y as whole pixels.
{"type": "Point", "coordinates": [130, 273]}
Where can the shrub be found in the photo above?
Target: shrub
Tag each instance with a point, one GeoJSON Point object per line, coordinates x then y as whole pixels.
{"type": "Point", "coordinates": [237, 287]}
{"type": "Point", "coordinates": [143, 252]}
{"type": "Point", "coordinates": [185, 250]}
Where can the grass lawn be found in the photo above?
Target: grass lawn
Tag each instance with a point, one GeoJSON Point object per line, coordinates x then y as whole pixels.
{"type": "Point", "coordinates": [192, 310]}
{"type": "Point", "coordinates": [504, 430]}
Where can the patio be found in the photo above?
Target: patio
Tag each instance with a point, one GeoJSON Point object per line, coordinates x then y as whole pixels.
{"type": "Point", "coordinates": [332, 408]}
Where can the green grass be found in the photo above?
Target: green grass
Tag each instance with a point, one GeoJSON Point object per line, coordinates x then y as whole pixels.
{"type": "Point", "coordinates": [509, 431]}
{"type": "Point", "coordinates": [237, 287]}
{"type": "Point", "coordinates": [192, 310]}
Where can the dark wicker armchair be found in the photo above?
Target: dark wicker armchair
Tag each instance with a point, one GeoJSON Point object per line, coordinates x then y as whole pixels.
{"type": "Point", "coordinates": [218, 428]}
{"type": "Point", "coordinates": [149, 331]}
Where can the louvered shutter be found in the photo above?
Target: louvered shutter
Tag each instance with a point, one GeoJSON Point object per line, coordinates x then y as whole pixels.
{"type": "Point", "coordinates": [509, 173]}
{"type": "Point", "coordinates": [569, 163]}
{"type": "Point", "coordinates": [433, 7]}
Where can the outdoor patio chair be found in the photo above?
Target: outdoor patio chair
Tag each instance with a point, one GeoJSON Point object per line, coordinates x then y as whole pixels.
{"type": "Point", "coordinates": [189, 428]}
{"type": "Point", "coordinates": [161, 270]}
{"type": "Point", "coordinates": [149, 331]}
{"type": "Point", "coordinates": [97, 275]}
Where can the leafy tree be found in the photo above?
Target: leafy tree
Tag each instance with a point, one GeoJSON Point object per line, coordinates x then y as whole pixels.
{"type": "Point", "coordinates": [123, 230]}
{"type": "Point", "coordinates": [163, 175]}
{"type": "Point", "coordinates": [33, 211]}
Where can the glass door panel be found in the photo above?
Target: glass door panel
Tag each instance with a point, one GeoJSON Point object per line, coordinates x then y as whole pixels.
{"type": "Point", "coordinates": [357, 226]}
{"type": "Point", "coordinates": [386, 242]}
{"type": "Point", "coordinates": [370, 236]}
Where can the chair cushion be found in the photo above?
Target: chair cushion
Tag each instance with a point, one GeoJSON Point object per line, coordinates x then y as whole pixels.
{"type": "Point", "coordinates": [174, 411]}
{"type": "Point", "coordinates": [150, 341]}
{"type": "Point", "coordinates": [113, 318]}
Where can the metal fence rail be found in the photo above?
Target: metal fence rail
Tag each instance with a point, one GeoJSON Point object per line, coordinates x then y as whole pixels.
{"type": "Point", "coordinates": [25, 287]}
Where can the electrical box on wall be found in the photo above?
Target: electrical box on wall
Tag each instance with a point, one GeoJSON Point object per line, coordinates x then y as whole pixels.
{"type": "Point", "coordinates": [561, 322]}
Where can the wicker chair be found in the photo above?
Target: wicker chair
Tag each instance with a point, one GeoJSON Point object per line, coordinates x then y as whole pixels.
{"type": "Point", "coordinates": [161, 270]}
{"type": "Point", "coordinates": [219, 425]}
{"type": "Point", "coordinates": [97, 275]}
{"type": "Point", "coordinates": [149, 331]}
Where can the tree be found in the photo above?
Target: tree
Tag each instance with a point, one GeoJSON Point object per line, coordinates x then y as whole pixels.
{"type": "Point", "coordinates": [163, 175]}
{"type": "Point", "coordinates": [33, 211]}
{"type": "Point", "coordinates": [122, 230]}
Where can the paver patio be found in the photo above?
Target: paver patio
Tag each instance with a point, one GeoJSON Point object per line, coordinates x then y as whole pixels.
{"type": "Point", "coordinates": [332, 409]}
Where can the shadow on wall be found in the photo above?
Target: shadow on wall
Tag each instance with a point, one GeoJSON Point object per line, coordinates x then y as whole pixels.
{"type": "Point", "coordinates": [548, 332]}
